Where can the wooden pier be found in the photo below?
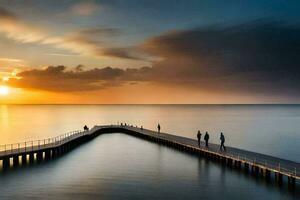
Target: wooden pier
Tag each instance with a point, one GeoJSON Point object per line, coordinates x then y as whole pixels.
{"type": "Point", "coordinates": [251, 162]}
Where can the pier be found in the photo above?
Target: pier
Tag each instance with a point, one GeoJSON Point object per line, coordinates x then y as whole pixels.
{"type": "Point", "coordinates": [251, 162]}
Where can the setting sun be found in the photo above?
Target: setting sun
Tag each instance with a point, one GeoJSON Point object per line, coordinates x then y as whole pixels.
{"type": "Point", "coordinates": [4, 90]}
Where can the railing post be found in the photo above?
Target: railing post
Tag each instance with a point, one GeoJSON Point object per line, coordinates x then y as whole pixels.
{"type": "Point", "coordinates": [32, 145]}
{"type": "Point", "coordinates": [11, 148]}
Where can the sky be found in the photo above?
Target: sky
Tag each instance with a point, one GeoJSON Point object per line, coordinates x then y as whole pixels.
{"type": "Point", "coordinates": [149, 52]}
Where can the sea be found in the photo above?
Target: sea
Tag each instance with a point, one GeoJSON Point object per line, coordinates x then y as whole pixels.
{"type": "Point", "coordinates": [118, 166]}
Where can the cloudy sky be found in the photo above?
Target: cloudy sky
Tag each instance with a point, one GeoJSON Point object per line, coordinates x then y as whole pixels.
{"type": "Point", "coordinates": [145, 51]}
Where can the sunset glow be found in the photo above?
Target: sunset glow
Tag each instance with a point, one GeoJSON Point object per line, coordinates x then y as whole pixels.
{"type": "Point", "coordinates": [84, 47]}
{"type": "Point", "coordinates": [4, 90]}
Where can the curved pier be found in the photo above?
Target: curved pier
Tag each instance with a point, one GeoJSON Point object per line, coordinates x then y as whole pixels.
{"type": "Point", "coordinates": [255, 163]}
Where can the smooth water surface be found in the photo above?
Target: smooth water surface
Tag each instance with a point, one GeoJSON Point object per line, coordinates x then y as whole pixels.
{"type": "Point", "coordinates": [118, 166]}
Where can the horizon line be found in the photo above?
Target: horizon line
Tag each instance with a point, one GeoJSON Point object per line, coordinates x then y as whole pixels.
{"type": "Point", "coordinates": [151, 104]}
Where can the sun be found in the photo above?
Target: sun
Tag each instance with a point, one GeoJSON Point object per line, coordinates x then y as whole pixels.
{"type": "Point", "coordinates": [4, 90]}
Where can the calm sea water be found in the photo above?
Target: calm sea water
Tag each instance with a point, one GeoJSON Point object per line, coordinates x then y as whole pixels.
{"type": "Point", "coordinates": [117, 166]}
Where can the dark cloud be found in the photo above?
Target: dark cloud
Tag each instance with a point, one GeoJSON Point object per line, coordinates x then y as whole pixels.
{"type": "Point", "coordinates": [122, 52]}
{"type": "Point", "coordinates": [258, 56]}
{"type": "Point", "coordinates": [100, 31]}
{"type": "Point", "coordinates": [79, 68]}
{"type": "Point", "coordinates": [63, 79]}
{"type": "Point", "coordinates": [6, 14]}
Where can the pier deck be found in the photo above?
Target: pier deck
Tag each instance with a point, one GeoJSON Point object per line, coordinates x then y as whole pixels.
{"type": "Point", "coordinates": [51, 147]}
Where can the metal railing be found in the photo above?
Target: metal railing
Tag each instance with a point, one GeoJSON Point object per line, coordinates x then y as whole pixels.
{"type": "Point", "coordinates": [263, 163]}
{"type": "Point", "coordinates": [32, 145]}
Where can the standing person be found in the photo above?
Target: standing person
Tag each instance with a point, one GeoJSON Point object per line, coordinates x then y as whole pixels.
{"type": "Point", "coordinates": [199, 137]}
{"type": "Point", "coordinates": [222, 138]}
{"type": "Point", "coordinates": [158, 128]}
{"type": "Point", "coordinates": [206, 138]}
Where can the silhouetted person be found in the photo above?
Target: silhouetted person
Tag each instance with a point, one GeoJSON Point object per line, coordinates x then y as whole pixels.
{"type": "Point", "coordinates": [206, 138]}
{"type": "Point", "coordinates": [199, 137]}
{"type": "Point", "coordinates": [85, 128]}
{"type": "Point", "coordinates": [158, 128]}
{"type": "Point", "coordinates": [142, 128]}
{"type": "Point", "coordinates": [222, 138]}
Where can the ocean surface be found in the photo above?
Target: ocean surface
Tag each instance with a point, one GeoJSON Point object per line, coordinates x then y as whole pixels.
{"type": "Point", "coordinates": [117, 166]}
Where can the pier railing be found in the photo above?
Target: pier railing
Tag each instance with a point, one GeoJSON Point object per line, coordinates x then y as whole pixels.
{"type": "Point", "coordinates": [272, 165]}
{"type": "Point", "coordinates": [276, 166]}
{"type": "Point", "coordinates": [31, 145]}
{"type": "Point", "coordinates": [262, 163]}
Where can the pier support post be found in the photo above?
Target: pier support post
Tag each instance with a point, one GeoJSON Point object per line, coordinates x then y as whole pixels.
{"type": "Point", "coordinates": [5, 162]}
{"type": "Point", "coordinates": [223, 160]}
{"type": "Point", "coordinates": [47, 154]}
{"type": "Point", "coordinates": [68, 147]}
{"type": "Point", "coordinates": [229, 162]}
{"type": "Point", "coordinates": [278, 177]}
{"type": "Point", "coordinates": [291, 182]}
{"type": "Point", "coordinates": [59, 151]}
{"type": "Point", "coordinates": [56, 152]}
{"type": "Point", "coordinates": [255, 170]}
{"type": "Point", "coordinates": [53, 153]}
{"type": "Point", "coordinates": [39, 156]}
{"type": "Point", "coordinates": [267, 174]}
{"type": "Point", "coordinates": [16, 160]}
{"type": "Point", "coordinates": [237, 164]}
{"type": "Point", "coordinates": [24, 159]}
{"type": "Point", "coordinates": [246, 167]}
{"type": "Point", "coordinates": [31, 157]}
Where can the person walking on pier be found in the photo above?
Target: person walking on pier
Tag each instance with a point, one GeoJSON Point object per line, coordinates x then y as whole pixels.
{"type": "Point", "coordinates": [158, 128]}
{"type": "Point", "coordinates": [85, 128]}
{"type": "Point", "coordinates": [222, 138]}
{"type": "Point", "coordinates": [206, 138]}
{"type": "Point", "coordinates": [199, 137]}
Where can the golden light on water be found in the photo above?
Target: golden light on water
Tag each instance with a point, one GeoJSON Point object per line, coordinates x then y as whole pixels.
{"type": "Point", "coordinates": [4, 90]}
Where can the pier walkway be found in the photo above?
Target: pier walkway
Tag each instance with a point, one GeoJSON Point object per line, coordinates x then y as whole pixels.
{"type": "Point", "coordinates": [256, 163]}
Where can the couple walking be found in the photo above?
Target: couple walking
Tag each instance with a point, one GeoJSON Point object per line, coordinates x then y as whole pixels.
{"type": "Point", "coordinates": [206, 138]}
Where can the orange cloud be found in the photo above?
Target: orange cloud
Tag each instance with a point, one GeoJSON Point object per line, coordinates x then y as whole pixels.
{"type": "Point", "coordinates": [62, 79]}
